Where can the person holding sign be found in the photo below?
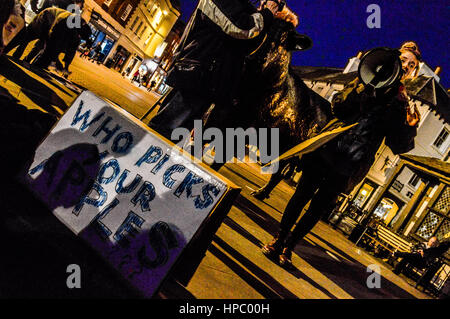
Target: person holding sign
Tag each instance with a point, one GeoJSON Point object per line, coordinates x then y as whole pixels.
{"type": "Point", "coordinates": [340, 164]}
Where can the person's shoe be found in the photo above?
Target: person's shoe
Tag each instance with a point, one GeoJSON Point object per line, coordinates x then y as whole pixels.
{"type": "Point", "coordinates": [260, 194]}
{"type": "Point", "coordinates": [286, 258]}
{"type": "Point", "coordinates": [273, 248]}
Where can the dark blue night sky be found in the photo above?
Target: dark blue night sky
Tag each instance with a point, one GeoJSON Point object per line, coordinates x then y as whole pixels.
{"type": "Point", "coordinates": [338, 29]}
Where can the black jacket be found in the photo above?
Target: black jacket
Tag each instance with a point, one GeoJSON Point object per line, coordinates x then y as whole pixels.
{"type": "Point", "coordinates": [384, 117]}
{"type": "Point", "coordinates": [223, 33]}
{"type": "Point", "coordinates": [51, 26]}
{"type": "Point", "coordinates": [431, 255]}
{"type": "Point", "coordinates": [63, 4]}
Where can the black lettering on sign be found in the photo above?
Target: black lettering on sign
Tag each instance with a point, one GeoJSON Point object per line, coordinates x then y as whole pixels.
{"type": "Point", "coordinates": [161, 239]}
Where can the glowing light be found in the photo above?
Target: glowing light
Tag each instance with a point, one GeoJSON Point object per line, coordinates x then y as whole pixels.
{"type": "Point", "coordinates": [158, 17]}
{"type": "Point", "coordinates": [160, 49]}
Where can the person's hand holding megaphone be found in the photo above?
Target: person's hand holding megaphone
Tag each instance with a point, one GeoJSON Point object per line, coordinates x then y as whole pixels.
{"type": "Point", "coordinates": [412, 113]}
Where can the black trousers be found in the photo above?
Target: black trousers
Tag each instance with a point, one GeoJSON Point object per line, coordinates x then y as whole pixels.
{"type": "Point", "coordinates": [21, 40]}
{"type": "Point", "coordinates": [414, 259]}
{"type": "Point", "coordinates": [321, 183]}
{"type": "Point", "coordinates": [286, 168]}
{"type": "Point", "coordinates": [181, 110]}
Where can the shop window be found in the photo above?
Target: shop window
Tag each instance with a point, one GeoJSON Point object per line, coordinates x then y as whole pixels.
{"type": "Point", "coordinates": [429, 225]}
{"type": "Point", "coordinates": [442, 205]}
{"type": "Point", "coordinates": [386, 210]}
{"type": "Point", "coordinates": [363, 195]}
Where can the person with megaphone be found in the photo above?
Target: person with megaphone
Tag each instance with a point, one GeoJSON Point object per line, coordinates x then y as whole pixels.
{"type": "Point", "coordinates": [377, 102]}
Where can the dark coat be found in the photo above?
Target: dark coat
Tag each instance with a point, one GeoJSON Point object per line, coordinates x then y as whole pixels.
{"type": "Point", "coordinates": [51, 26]}
{"type": "Point", "coordinates": [63, 4]}
{"type": "Point", "coordinates": [352, 153]}
{"type": "Point", "coordinates": [222, 34]}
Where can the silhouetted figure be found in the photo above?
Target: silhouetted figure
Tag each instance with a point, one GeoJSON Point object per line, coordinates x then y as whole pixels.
{"type": "Point", "coordinates": [210, 63]}
{"type": "Point", "coordinates": [52, 29]}
{"type": "Point", "coordinates": [424, 256]}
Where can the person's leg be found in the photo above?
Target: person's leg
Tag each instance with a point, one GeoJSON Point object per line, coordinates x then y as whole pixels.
{"type": "Point", "coordinates": [407, 258]}
{"type": "Point", "coordinates": [329, 189]}
{"type": "Point", "coordinates": [306, 187]}
{"type": "Point", "coordinates": [38, 46]}
{"type": "Point", "coordinates": [49, 54]}
{"type": "Point", "coordinates": [180, 111]}
{"type": "Point", "coordinates": [274, 180]}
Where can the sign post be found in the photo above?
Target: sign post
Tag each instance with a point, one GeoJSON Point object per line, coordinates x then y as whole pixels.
{"type": "Point", "coordinates": [136, 198]}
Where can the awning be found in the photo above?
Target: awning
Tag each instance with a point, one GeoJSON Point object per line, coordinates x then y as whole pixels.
{"type": "Point", "coordinates": [101, 24]}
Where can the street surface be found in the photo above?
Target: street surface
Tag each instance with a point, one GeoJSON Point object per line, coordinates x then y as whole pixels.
{"type": "Point", "coordinates": [111, 85]}
{"type": "Point", "coordinates": [326, 264]}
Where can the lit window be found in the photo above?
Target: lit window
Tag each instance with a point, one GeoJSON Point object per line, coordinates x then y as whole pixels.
{"type": "Point", "coordinates": [107, 2]}
{"type": "Point", "coordinates": [148, 39]}
{"type": "Point", "coordinates": [154, 9]}
{"type": "Point", "coordinates": [158, 17]}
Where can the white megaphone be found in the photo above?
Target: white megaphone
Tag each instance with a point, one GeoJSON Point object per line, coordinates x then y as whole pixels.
{"type": "Point", "coordinates": [380, 68]}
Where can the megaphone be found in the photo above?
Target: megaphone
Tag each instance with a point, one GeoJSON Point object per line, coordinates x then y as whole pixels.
{"type": "Point", "coordinates": [380, 68]}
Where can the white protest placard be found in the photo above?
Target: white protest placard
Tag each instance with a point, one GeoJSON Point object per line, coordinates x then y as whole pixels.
{"type": "Point", "coordinates": [131, 194]}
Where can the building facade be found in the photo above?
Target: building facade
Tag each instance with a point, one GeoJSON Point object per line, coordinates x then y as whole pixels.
{"type": "Point", "coordinates": [132, 35]}
{"type": "Point", "coordinates": [142, 26]}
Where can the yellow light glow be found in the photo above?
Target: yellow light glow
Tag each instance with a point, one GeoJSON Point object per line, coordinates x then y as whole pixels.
{"type": "Point", "coordinates": [158, 17]}
{"type": "Point", "coordinates": [160, 49]}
